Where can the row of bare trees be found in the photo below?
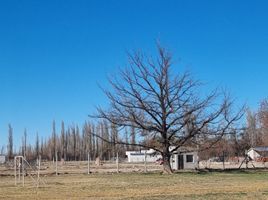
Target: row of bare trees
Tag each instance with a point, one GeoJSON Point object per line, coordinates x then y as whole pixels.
{"type": "Point", "coordinates": [104, 140]}
{"type": "Point", "coordinates": [75, 143]}
{"type": "Point", "coordinates": [256, 133]}
{"type": "Point", "coordinates": [253, 134]}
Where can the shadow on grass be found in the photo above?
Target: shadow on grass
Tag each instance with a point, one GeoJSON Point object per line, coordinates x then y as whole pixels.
{"type": "Point", "coordinates": [208, 171]}
{"type": "Point", "coordinates": [239, 170]}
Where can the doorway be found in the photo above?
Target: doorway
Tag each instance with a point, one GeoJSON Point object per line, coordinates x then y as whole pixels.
{"type": "Point", "coordinates": [180, 162]}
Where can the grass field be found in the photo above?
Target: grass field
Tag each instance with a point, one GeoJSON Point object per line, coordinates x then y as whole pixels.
{"type": "Point", "coordinates": [138, 186]}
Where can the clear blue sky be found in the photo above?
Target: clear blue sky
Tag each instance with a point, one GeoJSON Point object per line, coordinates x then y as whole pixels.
{"type": "Point", "coordinates": [53, 53]}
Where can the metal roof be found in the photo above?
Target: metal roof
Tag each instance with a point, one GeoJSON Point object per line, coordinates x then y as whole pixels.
{"type": "Point", "coordinates": [260, 148]}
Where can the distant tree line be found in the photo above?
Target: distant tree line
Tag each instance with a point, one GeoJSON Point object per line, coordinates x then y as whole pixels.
{"type": "Point", "coordinates": [254, 133]}
{"type": "Point", "coordinates": [74, 143]}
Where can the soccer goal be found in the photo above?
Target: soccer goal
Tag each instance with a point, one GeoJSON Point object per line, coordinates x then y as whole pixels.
{"type": "Point", "coordinates": [22, 168]}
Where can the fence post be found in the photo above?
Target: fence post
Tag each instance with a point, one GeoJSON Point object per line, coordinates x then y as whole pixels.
{"type": "Point", "coordinates": [39, 166]}
{"type": "Point", "coordinates": [56, 163]}
{"type": "Point", "coordinates": [223, 160]}
{"type": "Point", "coordinates": [22, 161]}
{"type": "Point", "coordinates": [117, 162]}
{"type": "Point", "coordinates": [15, 167]}
{"type": "Point", "coordinates": [145, 161]}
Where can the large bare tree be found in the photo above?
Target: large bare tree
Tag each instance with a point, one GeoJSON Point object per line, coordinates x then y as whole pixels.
{"type": "Point", "coordinates": [168, 111]}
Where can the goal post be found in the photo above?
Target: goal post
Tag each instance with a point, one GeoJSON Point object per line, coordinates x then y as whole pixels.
{"type": "Point", "coordinates": [19, 169]}
{"type": "Point", "coordinates": [20, 164]}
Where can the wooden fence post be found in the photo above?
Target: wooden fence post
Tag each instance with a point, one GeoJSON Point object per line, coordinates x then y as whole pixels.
{"type": "Point", "coordinates": [145, 161]}
{"type": "Point", "coordinates": [117, 162]}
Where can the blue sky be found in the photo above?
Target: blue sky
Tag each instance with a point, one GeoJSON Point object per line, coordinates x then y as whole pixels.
{"type": "Point", "coordinates": [53, 53]}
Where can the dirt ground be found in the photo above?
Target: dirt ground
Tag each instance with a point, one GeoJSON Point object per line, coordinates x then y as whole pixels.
{"type": "Point", "coordinates": [135, 181]}
{"type": "Point", "coordinates": [81, 167]}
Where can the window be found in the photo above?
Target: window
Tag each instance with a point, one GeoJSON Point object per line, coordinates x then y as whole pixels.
{"type": "Point", "coordinates": [189, 158]}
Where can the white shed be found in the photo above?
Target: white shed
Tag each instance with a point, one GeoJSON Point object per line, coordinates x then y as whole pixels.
{"type": "Point", "coordinates": [257, 152]}
{"type": "Point", "coordinates": [184, 159]}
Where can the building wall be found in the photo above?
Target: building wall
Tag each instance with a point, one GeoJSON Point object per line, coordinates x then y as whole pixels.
{"type": "Point", "coordinates": [193, 164]}
{"type": "Point", "coordinates": [186, 164]}
{"type": "Point", "coordinates": [253, 154]}
{"type": "Point", "coordinates": [139, 156]}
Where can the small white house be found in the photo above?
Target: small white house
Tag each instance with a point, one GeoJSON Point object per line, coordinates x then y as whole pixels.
{"type": "Point", "coordinates": [184, 160]}
{"type": "Point", "coordinates": [181, 159]}
{"type": "Point", "coordinates": [257, 152]}
{"type": "Point", "coordinates": [2, 159]}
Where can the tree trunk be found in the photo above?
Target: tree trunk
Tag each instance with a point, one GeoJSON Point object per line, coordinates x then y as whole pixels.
{"type": "Point", "coordinates": [166, 163]}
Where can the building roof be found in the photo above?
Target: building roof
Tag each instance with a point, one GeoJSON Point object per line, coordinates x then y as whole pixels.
{"type": "Point", "coordinates": [260, 149]}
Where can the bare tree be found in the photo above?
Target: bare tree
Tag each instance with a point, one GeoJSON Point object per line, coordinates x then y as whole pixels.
{"type": "Point", "coordinates": [62, 140]}
{"type": "Point", "coordinates": [252, 135]}
{"type": "Point", "coordinates": [24, 143]}
{"type": "Point", "coordinates": [2, 150]}
{"type": "Point", "coordinates": [42, 148]}
{"type": "Point", "coordinates": [10, 141]}
{"type": "Point", "coordinates": [54, 140]}
{"type": "Point", "coordinates": [78, 143]}
{"type": "Point", "coordinates": [166, 110]}
{"type": "Point", "coordinates": [114, 139]}
{"type": "Point", "coordinates": [73, 142]}
{"type": "Point", "coordinates": [263, 120]}
{"type": "Point", "coordinates": [37, 146]}
{"type": "Point", "coordinates": [133, 136]}
{"type": "Point", "coordinates": [126, 140]}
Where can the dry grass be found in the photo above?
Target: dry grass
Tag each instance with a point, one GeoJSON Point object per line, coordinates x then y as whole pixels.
{"type": "Point", "coordinates": [236, 185]}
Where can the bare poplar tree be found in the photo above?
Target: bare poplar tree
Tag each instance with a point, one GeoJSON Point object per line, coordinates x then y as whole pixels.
{"type": "Point", "coordinates": [69, 144]}
{"type": "Point", "coordinates": [2, 150]}
{"type": "Point", "coordinates": [94, 142]}
{"type": "Point", "coordinates": [78, 143]}
{"type": "Point", "coordinates": [54, 140]}
{"type": "Point", "coordinates": [85, 141]}
{"type": "Point", "coordinates": [263, 120]}
{"type": "Point", "coordinates": [74, 142]}
{"type": "Point", "coordinates": [37, 145]}
{"type": "Point", "coordinates": [107, 147]}
{"type": "Point", "coordinates": [62, 140]}
{"type": "Point", "coordinates": [252, 130]}
{"type": "Point", "coordinates": [24, 146]}
{"type": "Point", "coordinates": [126, 140]}
{"type": "Point", "coordinates": [133, 136]}
{"type": "Point", "coordinates": [42, 148]}
{"type": "Point", "coordinates": [10, 141]}
{"type": "Point", "coordinates": [159, 104]}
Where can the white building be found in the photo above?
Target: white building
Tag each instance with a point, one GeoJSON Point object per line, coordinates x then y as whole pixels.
{"type": "Point", "coordinates": [181, 159]}
{"type": "Point", "coordinates": [184, 160]}
{"type": "Point", "coordinates": [139, 156]}
{"type": "Point", "coordinates": [257, 152]}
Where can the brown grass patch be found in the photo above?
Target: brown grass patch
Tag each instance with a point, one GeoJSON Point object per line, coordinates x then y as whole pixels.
{"type": "Point", "coordinates": [232, 185]}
